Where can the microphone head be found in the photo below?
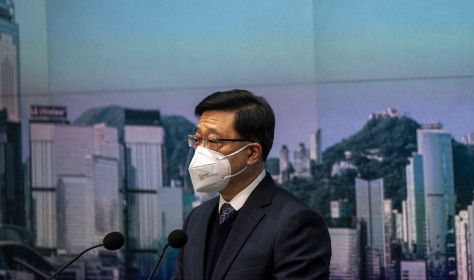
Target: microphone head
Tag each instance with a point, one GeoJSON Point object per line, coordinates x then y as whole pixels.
{"type": "Point", "coordinates": [113, 241]}
{"type": "Point", "coordinates": [177, 238]}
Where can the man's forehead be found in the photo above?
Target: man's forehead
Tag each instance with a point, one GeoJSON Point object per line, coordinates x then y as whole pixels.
{"type": "Point", "coordinates": [216, 122]}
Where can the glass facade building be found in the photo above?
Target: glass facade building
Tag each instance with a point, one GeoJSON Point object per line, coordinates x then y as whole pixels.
{"type": "Point", "coordinates": [435, 147]}
{"type": "Point", "coordinates": [144, 177]}
{"type": "Point", "coordinates": [416, 205]}
{"type": "Point", "coordinates": [370, 209]}
{"type": "Point", "coordinates": [13, 202]}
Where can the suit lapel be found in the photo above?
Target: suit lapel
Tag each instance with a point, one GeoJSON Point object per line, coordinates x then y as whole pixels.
{"type": "Point", "coordinates": [249, 216]}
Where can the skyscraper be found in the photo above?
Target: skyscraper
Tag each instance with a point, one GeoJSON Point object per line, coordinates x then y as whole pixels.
{"type": "Point", "coordinates": [302, 167]}
{"type": "Point", "coordinates": [105, 170]}
{"type": "Point", "coordinates": [315, 147]}
{"type": "Point", "coordinates": [9, 55]}
{"type": "Point", "coordinates": [470, 211]}
{"type": "Point", "coordinates": [12, 192]}
{"type": "Point", "coordinates": [435, 147]}
{"type": "Point", "coordinates": [370, 209]}
{"type": "Point", "coordinates": [405, 226]}
{"type": "Point", "coordinates": [103, 174]}
{"type": "Point", "coordinates": [285, 165]}
{"type": "Point", "coordinates": [143, 146]}
{"type": "Point", "coordinates": [463, 246]}
{"type": "Point", "coordinates": [416, 205]}
{"type": "Point", "coordinates": [388, 234]}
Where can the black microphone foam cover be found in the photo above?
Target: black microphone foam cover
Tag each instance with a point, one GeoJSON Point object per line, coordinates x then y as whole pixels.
{"type": "Point", "coordinates": [113, 241]}
{"type": "Point", "coordinates": [177, 238]}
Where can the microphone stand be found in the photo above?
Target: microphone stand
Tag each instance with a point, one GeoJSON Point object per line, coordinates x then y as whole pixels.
{"type": "Point", "coordinates": [69, 263]}
{"type": "Point", "coordinates": [159, 260]}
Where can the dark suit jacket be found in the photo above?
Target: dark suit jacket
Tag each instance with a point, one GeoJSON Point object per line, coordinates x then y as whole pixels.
{"type": "Point", "coordinates": [275, 236]}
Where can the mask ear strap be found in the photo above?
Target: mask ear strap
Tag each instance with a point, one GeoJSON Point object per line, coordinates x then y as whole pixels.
{"type": "Point", "coordinates": [236, 152]}
{"type": "Point", "coordinates": [235, 174]}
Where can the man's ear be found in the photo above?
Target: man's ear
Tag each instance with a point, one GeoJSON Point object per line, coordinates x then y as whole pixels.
{"type": "Point", "coordinates": [254, 154]}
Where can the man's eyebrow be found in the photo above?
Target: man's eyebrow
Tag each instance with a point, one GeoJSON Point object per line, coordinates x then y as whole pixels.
{"type": "Point", "coordinates": [211, 129]}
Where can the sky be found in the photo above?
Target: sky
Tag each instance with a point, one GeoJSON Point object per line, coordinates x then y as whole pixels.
{"type": "Point", "coordinates": [321, 64]}
{"type": "Point", "coordinates": [393, 39]}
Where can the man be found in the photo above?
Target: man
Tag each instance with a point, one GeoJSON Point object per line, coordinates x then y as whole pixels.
{"type": "Point", "coordinates": [254, 229]}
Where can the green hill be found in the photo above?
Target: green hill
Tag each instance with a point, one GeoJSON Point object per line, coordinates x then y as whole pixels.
{"type": "Point", "coordinates": [379, 150]}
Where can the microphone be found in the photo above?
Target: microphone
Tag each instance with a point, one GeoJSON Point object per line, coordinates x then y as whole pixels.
{"type": "Point", "coordinates": [176, 239]}
{"type": "Point", "coordinates": [112, 241]}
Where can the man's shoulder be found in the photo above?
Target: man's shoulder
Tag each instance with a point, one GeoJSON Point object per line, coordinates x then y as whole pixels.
{"type": "Point", "coordinates": [280, 197]}
{"type": "Point", "coordinates": [283, 197]}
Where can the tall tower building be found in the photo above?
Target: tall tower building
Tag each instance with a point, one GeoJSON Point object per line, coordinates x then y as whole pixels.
{"type": "Point", "coordinates": [102, 172]}
{"type": "Point", "coordinates": [143, 146]}
{"type": "Point", "coordinates": [9, 70]}
{"type": "Point", "coordinates": [470, 224]}
{"type": "Point", "coordinates": [370, 209]}
{"type": "Point", "coordinates": [435, 147]}
{"type": "Point", "coordinates": [302, 167]}
{"type": "Point", "coordinates": [405, 226]}
{"type": "Point", "coordinates": [388, 234]}
{"type": "Point", "coordinates": [463, 248]}
{"type": "Point", "coordinates": [105, 170]}
{"type": "Point", "coordinates": [284, 164]}
{"type": "Point", "coordinates": [315, 147]}
{"type": "Point", "coordinates": [12, 193]}
{"type": "Point", "coordinates": [416, 205]}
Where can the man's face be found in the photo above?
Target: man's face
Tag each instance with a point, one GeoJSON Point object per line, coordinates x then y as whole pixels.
{"type": "Point", "coordinates": [220, 124]}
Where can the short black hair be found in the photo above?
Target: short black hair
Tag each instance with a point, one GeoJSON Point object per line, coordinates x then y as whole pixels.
{"type": "Point", "coordinates": [254, 118]}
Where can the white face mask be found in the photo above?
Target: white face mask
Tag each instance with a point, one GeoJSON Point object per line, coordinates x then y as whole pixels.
{"type": "Point", "coordinates": [210, 170]}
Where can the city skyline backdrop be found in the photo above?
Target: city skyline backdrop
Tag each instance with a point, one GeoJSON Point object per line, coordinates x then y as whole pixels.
{"type": "Point", "coordinates": [320, 66]}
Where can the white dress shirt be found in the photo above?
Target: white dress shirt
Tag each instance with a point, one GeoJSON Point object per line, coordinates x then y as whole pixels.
{"type": "Point", "coordinates": [238, 201]}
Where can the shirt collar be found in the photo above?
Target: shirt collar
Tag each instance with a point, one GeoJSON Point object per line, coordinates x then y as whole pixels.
{"type": "Point", "coordinates": [238, 201]}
